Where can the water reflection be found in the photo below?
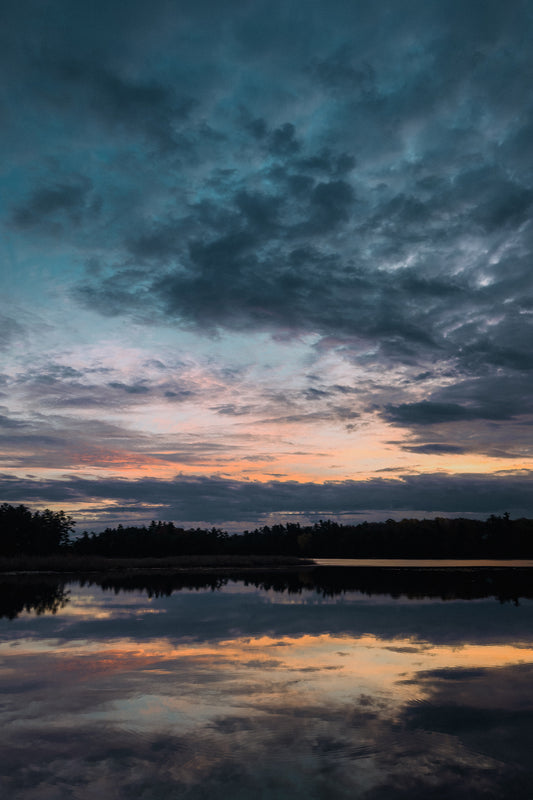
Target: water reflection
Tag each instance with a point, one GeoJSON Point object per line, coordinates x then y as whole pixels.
{"type": "Point", "coordinates": [47, 594]}
{"type": "Point", "coordinates": [42, 595]}
{"type": "Point", "coordinates": [157, 687]}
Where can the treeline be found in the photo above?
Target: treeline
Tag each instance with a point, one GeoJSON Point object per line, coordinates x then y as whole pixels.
{"type": "Point", "coordinates": [496, 537]}
{"type": "Point", "coordinates": [47, 532]}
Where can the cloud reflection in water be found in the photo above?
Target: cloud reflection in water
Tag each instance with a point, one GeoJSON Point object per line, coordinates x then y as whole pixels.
{"type": "Point", "coordinates": [239, 692]}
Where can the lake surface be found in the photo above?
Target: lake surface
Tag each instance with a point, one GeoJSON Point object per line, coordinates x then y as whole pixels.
{"type": "Point", "coordinates": [416, 563]}
{"type": "Point", "coordinates": [333, 683]}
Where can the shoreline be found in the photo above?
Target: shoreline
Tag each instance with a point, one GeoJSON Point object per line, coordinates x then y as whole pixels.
{"type": "Point", "coordinates": [88, 564]}
{"type": "Point", "coordinates": [80, 565]}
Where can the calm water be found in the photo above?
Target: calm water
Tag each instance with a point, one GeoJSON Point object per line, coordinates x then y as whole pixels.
{"type": "Point", "coordinates": [338, 683]}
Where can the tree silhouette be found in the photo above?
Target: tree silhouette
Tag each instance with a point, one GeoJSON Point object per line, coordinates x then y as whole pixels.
{"type": "Point", "coordinates": [39, 533]}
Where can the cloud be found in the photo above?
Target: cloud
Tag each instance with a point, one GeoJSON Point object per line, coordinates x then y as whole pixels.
{"type": "Point", "coordinates": [11, 330]}
{"type": "Point", "coordinates": [436, 448]}
{"type": "Point", "coordinates": [383, 209]}
{"type": "Point", "coordinates": [427, 413]}
{"type": "Point", "coordinates": [216, 500]}
{"type": "Point", "coordinates": [128, 106]}
{"type": "Point", "coordinates": [68, 442]}
{"type": "Point", "coordinates": [62, 204]}
{"type": "Point", "coordinates": [281, 261]}
{"type": "Point", "coordinates": [51, 386]}
{"type": "Point", "coordinates": [489, 414]}
{"type": "Point", "coordinates": [8, 422]}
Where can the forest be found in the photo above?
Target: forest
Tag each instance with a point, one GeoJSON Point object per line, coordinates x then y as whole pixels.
{"type": "Point", "coordinates": [23, 532]}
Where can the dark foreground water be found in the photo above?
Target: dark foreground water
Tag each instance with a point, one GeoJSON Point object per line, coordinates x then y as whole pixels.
{"type": "Point", "coordinates": [338, 683]}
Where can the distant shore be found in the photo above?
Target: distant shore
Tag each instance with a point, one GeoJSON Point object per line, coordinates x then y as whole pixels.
{"type": "Point", "coordinates": [78, 564]}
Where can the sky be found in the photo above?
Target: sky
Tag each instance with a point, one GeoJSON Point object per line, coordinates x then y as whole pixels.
{"type": "Point", "coordinates": [266, 261]}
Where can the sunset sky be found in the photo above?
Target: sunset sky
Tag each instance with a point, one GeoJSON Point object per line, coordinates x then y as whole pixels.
{"type": "Point", "coordinates": [266, 261]}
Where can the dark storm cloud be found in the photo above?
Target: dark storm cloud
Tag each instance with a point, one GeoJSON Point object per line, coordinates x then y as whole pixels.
{"type": "Point", "coordinates": [259, 269]}
{"type": "Point", "coordinates": [428, 413]}
{"type": "Point", "coordinates": [495, 441]}
{"type": "Point", "coordinates": [436, 448]}
{"type": "Point", "coordinates": [216, 499]}
{"type": "Point", "coordinates": [491, 414]}
{"type": "Point", "coordinates": [130, 107]}
{"type": "Point", "coordinates": [311, 187]}
{"type": "Point", "coordinates": [67, 203]}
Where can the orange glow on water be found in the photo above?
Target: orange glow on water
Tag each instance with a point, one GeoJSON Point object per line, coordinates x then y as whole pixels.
{"type": "Point", "coordinates": [330, 657]}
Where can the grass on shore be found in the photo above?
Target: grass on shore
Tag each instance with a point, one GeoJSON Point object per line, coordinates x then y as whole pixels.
{"type": "Point", "coordinates": [73, 563]}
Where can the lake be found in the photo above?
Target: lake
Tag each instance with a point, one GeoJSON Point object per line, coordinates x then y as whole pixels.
{"type": "Point", "coordinates": [327, 683]}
